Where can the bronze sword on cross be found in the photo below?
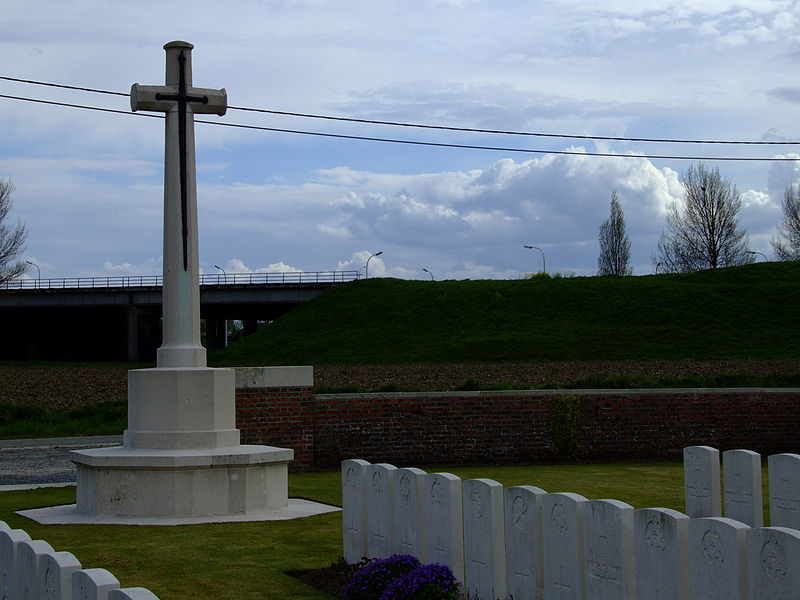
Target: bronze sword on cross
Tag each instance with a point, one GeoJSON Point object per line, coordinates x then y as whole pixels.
{"type": "Point", "coordinates": [178, 95]}
{"type": "Point", "coordinates": [181, 346]}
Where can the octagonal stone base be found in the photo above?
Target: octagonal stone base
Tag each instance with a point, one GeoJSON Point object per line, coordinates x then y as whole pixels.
{"type": "Point", "coordinates": [181, 483]}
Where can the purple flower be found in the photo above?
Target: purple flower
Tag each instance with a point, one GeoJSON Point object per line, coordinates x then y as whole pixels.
{"type": "Point", "coordinates": [369, 582]}
{"type": "Point", "coordinates": [426, 582]}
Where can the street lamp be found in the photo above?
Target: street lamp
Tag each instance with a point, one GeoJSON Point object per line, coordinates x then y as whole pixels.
{"type": "Point", "coordinates": [224, 274]}
{"type": "Point", "coordinates": [366, 267]}
{"type": "Point", "coordinates": [756, 252]}
{"type": "Point", "coordinates": [544, 264]}
{"type": "Point", "coordinates": [39, 276]}
{"type": "Point", "coordinates": [429, 273]}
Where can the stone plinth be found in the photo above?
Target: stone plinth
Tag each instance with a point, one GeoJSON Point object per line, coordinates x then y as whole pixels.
{"type": "Point", "coordinates": [181, 483]}
{"type": "Point", "coordinates": [181, 455]}
{"type": "Point", "coordinates": [181, 408]}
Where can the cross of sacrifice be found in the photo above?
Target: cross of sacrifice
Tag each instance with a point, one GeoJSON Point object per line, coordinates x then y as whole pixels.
{"type": "Point", "coordinates": [181, 292]}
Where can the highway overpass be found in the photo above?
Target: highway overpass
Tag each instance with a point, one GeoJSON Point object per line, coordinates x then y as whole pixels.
{"type": "Point", "coordinates": [118, 318]}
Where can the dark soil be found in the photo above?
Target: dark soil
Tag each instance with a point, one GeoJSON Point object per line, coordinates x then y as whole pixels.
{"type": "Point", "coordinates": [532, 375]}
{"type": "Point", "coordinates": [69, 387]}
{"type": "Point", "coordinates": [332, 579]}
{"type": "Point", "coordinates": [63, 387]}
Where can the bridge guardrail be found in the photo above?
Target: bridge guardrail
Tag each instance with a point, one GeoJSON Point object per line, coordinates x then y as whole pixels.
{"type": "Point", "coordinates": [205, 279]}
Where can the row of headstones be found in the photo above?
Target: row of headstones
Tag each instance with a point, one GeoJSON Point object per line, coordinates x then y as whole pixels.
{"type": "Point", "coordinates": [32, 570]}
{"type": "Point", "coordinates": [741, 475]}
{"type": "Point", "coordinates": [526, 543]}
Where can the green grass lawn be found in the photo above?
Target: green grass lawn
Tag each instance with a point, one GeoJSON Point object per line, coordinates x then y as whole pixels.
{"type": "Point", "coordinates": [250, 560]}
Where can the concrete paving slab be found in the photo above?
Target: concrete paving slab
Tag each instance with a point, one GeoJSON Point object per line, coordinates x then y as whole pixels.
{"type": "Point", "coordinates": [69, 515]}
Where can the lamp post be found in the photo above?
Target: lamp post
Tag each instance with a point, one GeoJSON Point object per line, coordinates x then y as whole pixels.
{"type": "Point", "coordinates": [39, 276]}
{"type": "Point", "coordinates": [429, 273]}
{"type": "Point", "coordinates": [544, 263]}
{"type": "Point", "coordinates": [224, 274]}
{"type": "Point", "coordinates": [366, 267]}
{"type": "Point", "coordinates": [760, 253]}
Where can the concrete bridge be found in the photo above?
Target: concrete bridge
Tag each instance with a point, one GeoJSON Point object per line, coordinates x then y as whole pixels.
{"type": "Point", "coordinates": [118, 318]}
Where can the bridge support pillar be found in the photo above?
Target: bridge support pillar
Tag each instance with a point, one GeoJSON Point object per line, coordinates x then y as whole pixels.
{"type": "Point", "coordinates": [216, 334]}
{"type": "Point", "coordinates": [250, 326]}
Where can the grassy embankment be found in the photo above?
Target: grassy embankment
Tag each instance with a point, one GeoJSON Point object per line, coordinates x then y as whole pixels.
{"type": "Point", "coordinates": [736, 313]}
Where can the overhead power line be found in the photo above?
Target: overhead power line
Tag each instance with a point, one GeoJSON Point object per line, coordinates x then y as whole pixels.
{"type": "Point", "coordinates": [443, 127]}
{"type": "Point", "coordinates": [507, 149]}
{"type": "Point", "coordinates": [604, 138]}
{"type": "Point", "coordinates": [63, 86]}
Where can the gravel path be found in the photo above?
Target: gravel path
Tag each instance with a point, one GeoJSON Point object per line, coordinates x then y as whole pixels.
{"type": "Point", "coordinates": [25, 462]}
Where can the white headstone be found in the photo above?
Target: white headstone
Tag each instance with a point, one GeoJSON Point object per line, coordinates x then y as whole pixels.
{"type": "Point", "coordinates": [409, 530]}
{"type": "Point", "coordinates": [784, 490]}
{"type": "Point", "coordinates": [135, 593]}
{"type": "Point", "coordinates": [661, 543]}
{"type": "Point", "coordinates": [717, 559]}
{"type": "Point", "coordinates": [28, 554]}
{"type": "Point", "coordinates": [93, 584]}
{"type": "Point", "coordinates": [354, 509]}
{"type": "Point", "coordinates": [701, 481]}
{"type": "Point", "coordinates": [379, 510]}
{"type": "Point", "coordinates": [608, 550]}
{"type": "Point", "coordinates": [523, 520]}
{"type": "Point", "coordinates": [4, 526]}
{"type": "Point", "coordinates": [773, 563]}
{"type": "Point", "coordinates": [562, 540]}
{"type": "Point", "coordinates": [741, 471]}
{"type": "Point", "coordinates": [9, 544]}
{"type": "Point", "coordinates": [55, 575]}
{"type": "Point", "coordinates": [484, 544]}
{"type": "Point", "coordinates": [444, 530]}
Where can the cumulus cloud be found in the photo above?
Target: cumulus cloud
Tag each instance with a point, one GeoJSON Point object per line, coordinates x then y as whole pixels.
{"type": "Point", "coordinates": [461, 222]}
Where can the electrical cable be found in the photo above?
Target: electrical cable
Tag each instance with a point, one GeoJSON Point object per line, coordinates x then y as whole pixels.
{"type": "Point", "coordinates": [416, 142]}
{"type": "Point", "coordinates": [443, 127]}
{"type": "Point", "coordinates": [521, 133]}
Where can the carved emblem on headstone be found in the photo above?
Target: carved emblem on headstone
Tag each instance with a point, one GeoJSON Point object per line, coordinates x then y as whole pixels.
{"type": "Point", "coordinates": [773, 560]}
{"type": "Point", "coordinates": [518, 511]}
{"type": "Point", "coordinates": [49, 583]}
{"type": "Point", "coordinates": [713, 550]}
{"type": "Point", "coordinates": [654, 536]}
{"type": "Point", "coordinates": [351, 478]}
{"type": "Point", "coordinates": [437, 497]}
{"type": "Point", "coordinates": [477, 504]}
{"type": "Point", "coordinates": [377, 483]}
{"type": "Point", "coordinates": [405, 489]}
{"type": "Point", "coordinates": [558, 516]}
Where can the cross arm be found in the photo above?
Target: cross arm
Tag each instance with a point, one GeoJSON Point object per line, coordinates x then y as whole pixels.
{"type": "Point", "coordinates": [162, 98]}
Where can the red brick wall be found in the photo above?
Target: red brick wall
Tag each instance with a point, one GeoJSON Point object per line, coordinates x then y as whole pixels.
{"type": "Point", "coordinates": [512, 427]}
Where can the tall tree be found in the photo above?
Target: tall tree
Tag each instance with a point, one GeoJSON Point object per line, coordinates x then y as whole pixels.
{"type": "Point", "coordinates": [704, 233]}
{"type": "Point", "coordinates": [12, 237]}
{"type": "Point", "coordinates": [786, 243]}
{"type": "Point", "coordinates": [615, 245]}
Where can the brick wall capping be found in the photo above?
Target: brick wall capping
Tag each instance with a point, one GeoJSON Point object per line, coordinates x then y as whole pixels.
{"type": "Point", "coordinates": [550, 393]}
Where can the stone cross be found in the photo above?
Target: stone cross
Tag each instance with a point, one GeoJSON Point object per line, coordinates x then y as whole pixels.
{"type": "Point", "coordinates": [181, 293]}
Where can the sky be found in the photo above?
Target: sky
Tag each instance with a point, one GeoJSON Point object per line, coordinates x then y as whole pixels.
{"type": "Point", "coordinates": [89, 184]}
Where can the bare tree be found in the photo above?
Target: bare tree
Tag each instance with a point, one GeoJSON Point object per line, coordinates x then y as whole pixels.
{"type": "Point", "coordinates": [12, 238]}
{"type": "Point", "coordinates": [615, 245]}
{"type": "Point", "coordinates": [787, 241]}
{"type": "Point", "coordinates": [704, 233]}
